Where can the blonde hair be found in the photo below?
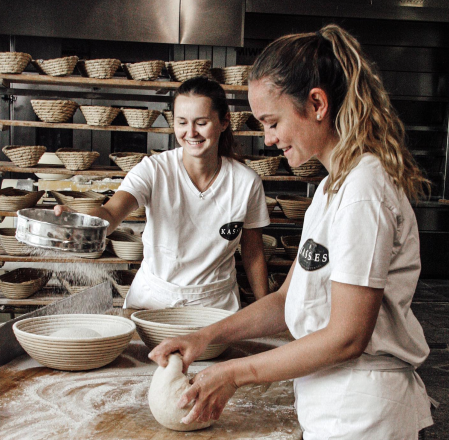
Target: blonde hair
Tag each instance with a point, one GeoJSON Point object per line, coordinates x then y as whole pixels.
{"type": "Point", "coordinates": [360, 108]}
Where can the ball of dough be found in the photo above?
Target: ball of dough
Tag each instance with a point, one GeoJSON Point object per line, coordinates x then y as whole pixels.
{"type": "Point", "coordinates": [75, 333]}
{"type": "Point", "coordinates": [167, 386]}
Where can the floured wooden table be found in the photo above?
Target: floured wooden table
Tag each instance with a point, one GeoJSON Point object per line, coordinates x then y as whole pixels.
{"type": "Point", "coordinates": [111, 403]}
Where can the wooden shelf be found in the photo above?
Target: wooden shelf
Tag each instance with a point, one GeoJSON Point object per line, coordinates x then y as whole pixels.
{"type": "Point", "coordinates": [79, 81]}
{"type": "Point", "coordinates": [106, 258]}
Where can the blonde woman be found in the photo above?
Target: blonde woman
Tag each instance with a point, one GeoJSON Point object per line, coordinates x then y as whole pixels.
{"type": "Point", "coordinates": [347, 297]}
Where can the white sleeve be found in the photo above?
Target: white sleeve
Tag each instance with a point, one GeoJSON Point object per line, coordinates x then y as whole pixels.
{"type": "Point", "coordinates": [139, 181]}
{"type": "Point", "coordinates": [361, 246]}
{"type": "Point", "coordinates": [257, 211]}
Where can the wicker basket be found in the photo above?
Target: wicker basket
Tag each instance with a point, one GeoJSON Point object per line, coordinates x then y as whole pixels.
{"type": "Point", "coordinates": [168, 115]}
{"type": "Point", "coordinates": [14, 62]}
{"type": "Point", "coordinates": [12, 199]}
{"type": "Point", "coordinates": [269, 246]}
{"type": "Point", "coordinates": [57, 66]}
{"type": "Point", "coordinates": [79, 201]}
{"type": "Point", "coordinates": [22, 283]}
{"type": "Point", "coordinates": [126, 246]}
{"type": "Point", "coordinates": [264, 166]}
{"type": "Point", "coordinates": [311, 168]}
{"type": "Point", "coordinates": [54, 110]}
{"type": "Point", "coordinates": [275, 281]}
{"type": "Point", "coordinates": [139, 212]}
{"type": "Point", "coordinates": [294, 207]}
{"type": "Point", "coordinates": [254, 124]}
{"type": "Point", "coordinates": [184, 70]}
{"type": "Point", "coordinates": [127, 161]}
{"type": "Point", "coordinates": [77, 160]}
{"type": "Point", "coordinates": [122, 280]}
{"type": "Point", "coordinates": [101, 68]}
{"type": "Point", "coordinates": [155, 325]}
{"type": "Point", "coordinates": [98, 114]}
{"type": "Point", "coordinates": [238, 120]}
{"type": "Point", "coordinates": [11, 245]}
{"type": "Point", "coordinates": [145, 70]}
{"type": "Point", "coordinates": [24, 155]}
{"type": "Point", "coordinates": [291, 245]}
{"type": "Point", "coordinates": [139, 118]}
{"type": "Point", "coordinates": [271, 204]}
{"type": "Point", "coordinates": [235, 75]}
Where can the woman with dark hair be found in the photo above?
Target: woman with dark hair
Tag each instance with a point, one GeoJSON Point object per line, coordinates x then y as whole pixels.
{"type": "Point", "coordinates": [346, 299]}
{"type": "Point", "coordinates": [200, 204]}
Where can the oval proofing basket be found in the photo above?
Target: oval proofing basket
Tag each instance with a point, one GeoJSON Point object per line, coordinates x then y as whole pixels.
{"type": "Point", "coordinates": [153, 326]}
{"type": "Point", "coordinates": [74, 354]}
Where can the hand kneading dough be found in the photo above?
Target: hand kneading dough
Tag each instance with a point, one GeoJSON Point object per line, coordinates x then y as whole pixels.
{"type": "Point", "coordinates": [166, 388]}
{"type": "Point", "coordinates": [75, 333]}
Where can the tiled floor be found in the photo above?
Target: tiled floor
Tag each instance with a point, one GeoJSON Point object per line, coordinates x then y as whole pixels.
{"type": "Point", "coordinates": [431, 307]}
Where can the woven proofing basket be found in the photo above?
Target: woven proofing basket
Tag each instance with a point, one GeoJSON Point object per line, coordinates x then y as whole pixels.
{"type": "Point", "coordinates": [311, 168]}
{"type": "Point", "coordinates": [184, 70]}
{"type": "Point", "coordinates": [79, 201]}
{"type": "Point", "coordinates": [77, 160]}
{"type": "Point", "coordinates": [101, 68]}
{"type": "Point", "coordinates": [22, 283]}
{"type": "Point", "coordinates": [269, 246]}
{"type": "Point", "coordinates": [35, 336]}
{"type": "Point", "coordinates": [54, 110]}
{"type": "Point", "coordinates": [14, 62]}
{"type": "Point", "coordinates": [145, 70]}
{"type": "Point", "coordinates": [74, 289]}
{"type": "Point", "coordinates": [122, 280]}
{"type": "Point", "coordinates": [98, 114]}
{"type": "Point", "coordinates": [235, 75]}
{"type": "Point", "coordinates": [126, 246]}
{"type": "Point", "coordinates": [24, 155]}
{"type": "Point", "coordinates": [127, 161]}
{"type": "Point", "coordinates": [139, 118]}
{"type": "Point", "coordinates": [294, 207]}
{"type": "Point", "coordinates": [12, 199]}
{"type": "Point", "coordinates": [291, 245]}
{"type": "Point", "coordinates": [10, 243]}
{"type": "Point", "coordinates": [263, 166]}
{"type": "Point", "coordinates": [153, 326]}
{"type": "Point", "coordinates": [275, 281]}
{"type": "Point", "coordinates": [271, 204]}
{"type": "Point", "coordinates": [238, 120]}
{"type": "Point", "coordinates": [168, 115]}
{"type": "Point", "coordinates": [57, 66]}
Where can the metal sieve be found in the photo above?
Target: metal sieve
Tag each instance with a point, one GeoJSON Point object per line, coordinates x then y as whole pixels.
{"type": "Point", "coordinates": [71, 232]}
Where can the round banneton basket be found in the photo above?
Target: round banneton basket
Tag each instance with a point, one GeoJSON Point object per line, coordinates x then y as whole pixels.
{"type": "Point", "coordinates": [238, 120]}
{"type": "Point", "coordinates": [14, 62]}
{"type": "Point", "coordinates": [12, 199]}
{"type": "Point", "coordinates": [168, 115]}
{"type": "Point", "coordinates": [54, 110]}
{"type": "Point", "coordinates": [269, 246]}
{"type": "Point", "coordinates": [271, 204]}
{"type": "Point", "coordinates": [263, 166]}
{"type": "Point", "coordinates": [311, 168]}
{"type": "Point", "coordinates": [56, 66]}
{"type": "Point", "coordinates": [140, 118]}
{"type": "Point", "coordinates": [22, 283]}
{"type": "Point", "coordinates": [98, 114]}
{"type": "Point", "coordinates": [77, 160]}
{"type": "Point", "coordinates": [275, 281]}
{"type": "Point", "coordinates": [11, 245]}
{"type": "Point", "coordinates": [75, 352]}
{"type": "Point", "coordinates": [145, 70]}
{"type": "Point", "coordinates": [24, 155]}
{"type": "Point", "coordinates": [127, 161]}
{"type": "Point", "coordinates": [80, 201]}
{"type": "Point", "coordinates": [291, 245]}
{"type": "Point", "coordinates": [126, 246]}
{"type": "Point", "coordinates": [184, 70]}
{"type": "Point", "coordinates": [102, 68]}
{"type": "Point", "coordinates": [122, 280]}
{"type": "Point", "coordinates": [235, 75]}
{"type": "Point", "coordinates": [153, 326]}
{"type": "Point", "coordinates": [294, 207]}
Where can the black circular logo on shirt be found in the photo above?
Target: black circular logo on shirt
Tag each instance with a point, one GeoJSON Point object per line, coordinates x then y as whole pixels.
{"type": "Point", "coordinates": [230, 231]}
{"type": "Point", "coordinates": [313, 256]}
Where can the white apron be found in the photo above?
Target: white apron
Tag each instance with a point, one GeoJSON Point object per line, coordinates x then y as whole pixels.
{"type": "Point", "coordinates": [150, 292]}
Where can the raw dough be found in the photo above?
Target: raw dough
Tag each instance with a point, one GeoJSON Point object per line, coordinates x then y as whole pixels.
{"type": "Point", "coordinates": [167, 386]}
{"type": "Point", "coordinates": [75, 333]}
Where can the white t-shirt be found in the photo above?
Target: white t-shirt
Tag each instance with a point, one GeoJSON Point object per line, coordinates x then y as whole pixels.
{"type": "Point", "coordinates": [189, 241]}
{"type": "Point", "coordinates": [367, 236]}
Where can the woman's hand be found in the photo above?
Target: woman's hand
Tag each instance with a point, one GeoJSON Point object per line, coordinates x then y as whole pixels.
{"type": "Point", "coordinates": [190, 346]}
{"type": "Point", "coordinates": [59, 209]}
{"type": "Point", "coordinates": [211, 390]}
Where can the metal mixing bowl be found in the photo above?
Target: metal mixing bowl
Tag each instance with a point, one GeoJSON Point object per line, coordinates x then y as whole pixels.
{"type": "Point", "coordinates": [72, 232]}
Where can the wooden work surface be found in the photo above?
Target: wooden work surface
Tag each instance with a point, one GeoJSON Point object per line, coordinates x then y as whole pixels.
{"type": "Point", "coordinates": [111, 403]}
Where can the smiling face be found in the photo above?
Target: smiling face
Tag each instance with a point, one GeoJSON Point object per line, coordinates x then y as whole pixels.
{"type": "Point", "coordinates": [197, 125]}
{"type": "Point", "coordinates": [299, 136]}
